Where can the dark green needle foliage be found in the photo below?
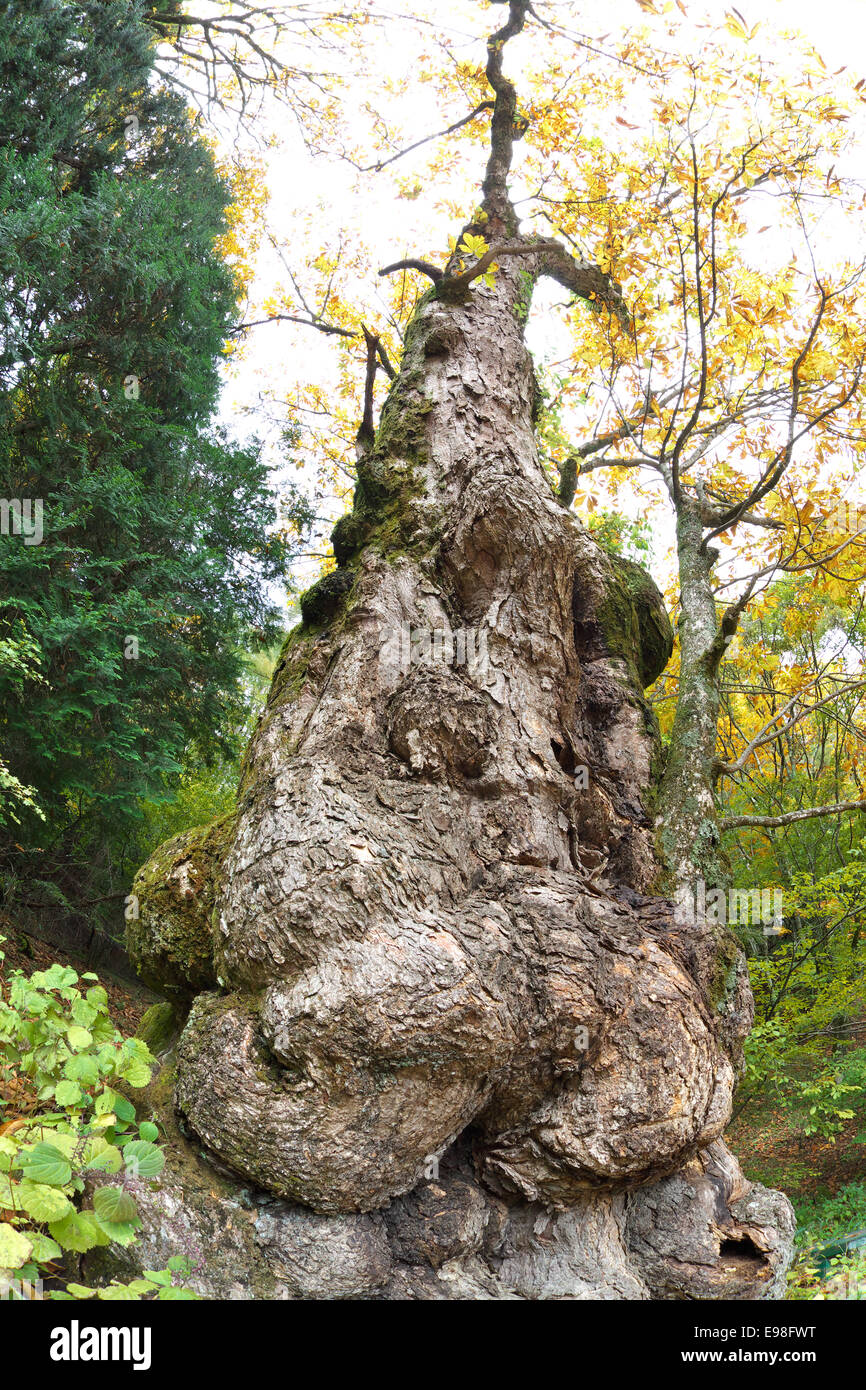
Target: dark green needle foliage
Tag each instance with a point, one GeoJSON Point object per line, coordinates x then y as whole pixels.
{"type": "Point", "coordinates": [156, 549]}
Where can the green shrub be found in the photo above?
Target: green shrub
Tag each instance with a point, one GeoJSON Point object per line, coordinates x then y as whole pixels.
{"type": "Point", "coordinates": [826, 1218]}
{"type": "Point", "coordinates": [60, 1061]}
{"type": "Point", "coordinates": [821, 1221]}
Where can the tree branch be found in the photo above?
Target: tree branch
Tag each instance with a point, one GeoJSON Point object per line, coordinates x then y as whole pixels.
{"type": "Point", "coordinates": [439, 135]}
{"type": "Point", "coordinates": [377, 360]}
{"type": "Point", "coordinates": [765, 736]}
{"type": "Point", "coordinates": [567, 482]}
{"type": "Point", "coordinates": [773, 822]}
{"type": "Point", "coordinates": [453, 285]}
{"type": "Point", "coordinates": [713, 516]}
{"type": "Point", "coordinates": [730, 620]}
{"type": "Point", "coordinates": [583, 278]}
{"type": "Point", "coordinates": [384, 361]}
{"type": "Point", "coordinates": [311, 322]}
{"type": "Point", "coordinates": [503, 127]}
{"type": "Point", "coordinates": [432, 271]}
{"type": "Point", "coordinates": [366, 432]}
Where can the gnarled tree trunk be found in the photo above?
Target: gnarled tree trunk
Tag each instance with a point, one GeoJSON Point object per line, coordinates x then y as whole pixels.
{"type": "Point", "coordinates": [452, 1047]}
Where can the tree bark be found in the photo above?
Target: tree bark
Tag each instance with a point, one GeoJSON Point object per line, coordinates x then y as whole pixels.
{"type": "Point", "coordinates": [687, 822]}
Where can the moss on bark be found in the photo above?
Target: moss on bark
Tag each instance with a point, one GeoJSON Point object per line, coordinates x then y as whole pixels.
{"type": "Point", "coordinates": [322, 600]}
{"type": "Point", "coordinates": [159, 1027]}
{"type": "Point", "coordinates": [170, 942]}
{"type": "Point", "coordinates": [635, 622]}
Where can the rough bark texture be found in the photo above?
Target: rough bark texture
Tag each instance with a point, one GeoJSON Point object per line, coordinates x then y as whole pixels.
{"type": "Point", "coordinates": [432, 932]}
{"type": "Point", "coordinates": [703, 1233]}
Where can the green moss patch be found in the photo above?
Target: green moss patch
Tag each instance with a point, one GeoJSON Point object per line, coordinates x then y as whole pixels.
{"type": "Point", "coordinates": [321, 602]}
{"type": "Point", "coordinates": [635, 622]}
{"type": "Point", "coordinates": [170, 941]}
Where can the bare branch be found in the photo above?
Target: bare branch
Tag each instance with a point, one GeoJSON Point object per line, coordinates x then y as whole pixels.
{"type": "Point", "coordinates": [789, 818]}
{"type": "Point", "coordinates": [366, 431]}
{"type": "Point", "coordinates": [779, 464]}
{"type": "Point", "coordinates": [730, 620]}
{"type": "Point", "coordinates": [439, 135]}
{"type": "Point", "coordinates": [384, 361]}
{"type": "Point", "coordinates": [230, 46]}
{"type": "Point", "coordinates": [311, 322]}
{"type": "Point", "coordinates": [607, 462]}
{"type": "Point", "coordinates": [453, 285]}
{"type": "Point", "coordinates": [769, 735]}
{"type": "Point", "coordinates": [712, 516]}
{"type": "Point", "coordinates": [813, 562]}
{"type": "Point", "coordinates": [432, 271]}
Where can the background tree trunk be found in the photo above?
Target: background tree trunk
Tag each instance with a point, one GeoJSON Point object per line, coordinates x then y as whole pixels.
{"type": "Point", "coordinates": [687, 819]}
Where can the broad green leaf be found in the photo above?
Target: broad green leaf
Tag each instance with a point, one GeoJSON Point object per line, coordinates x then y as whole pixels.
{"type": "Point", "coordinates": [68, 1093]}
{"type": "Point", "coordinates": [84, 1013]}
{"type": "Point", "coordinates": [44, 1248]}
{"type": "Point", "coordinates": [43, 1203]}
{"type": "Point", "coordinates": [136, 1072]}
{"type": "Point", "coordinates": [119, 1232]}
{"type": "Point", "coordinates": [79, 1232]}
{"type": "Point", "coordinates": [114, 1205]}
{"type": "Point", "coordinates": [83, 1069]}
{"type": "Point", "coordinates": [45, 1163]}
{"type": "Point", "coordinates": [56, 977]}
{"type": "Point", "coordinates": [15, 1248]}
{"type": "Point", "coordinates": [123, 1109]}
{"type": "Point", "coordinates": [140, 1287]}
{"type": "Point", "coordinates": [66, 1143]}
{"type": "Point", "coordinates": [78, 1037]}
{"type": "Point", "coordinates": [143, 1159]}
{"type": "Point", "coordinates": [104, 1157]}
